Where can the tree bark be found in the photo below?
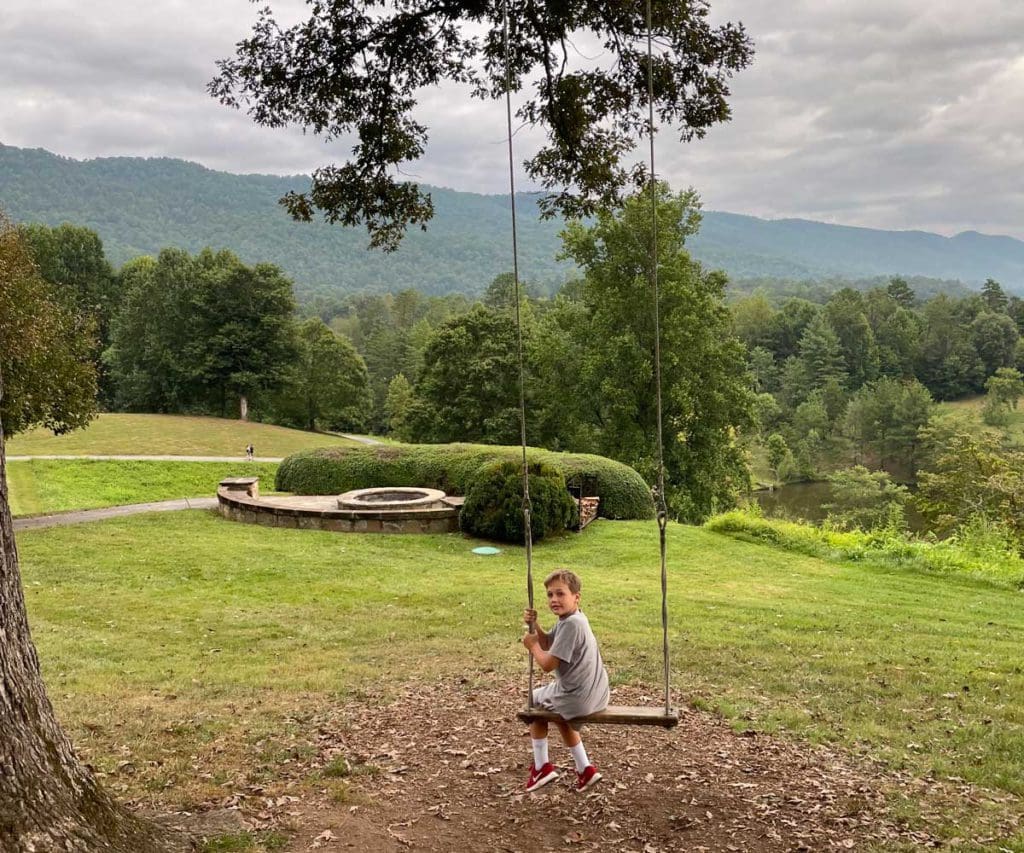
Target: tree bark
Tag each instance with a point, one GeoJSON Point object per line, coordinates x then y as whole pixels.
{"type": "Point", "coordinates": [243, 407]}
{"type": "Point", "coordinates": [49, 800]}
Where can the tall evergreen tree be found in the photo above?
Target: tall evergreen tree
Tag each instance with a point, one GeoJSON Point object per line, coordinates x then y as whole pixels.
{"type": "Point", "coordinates": [995, 298]}
{"type": "Point", "coordinates": [901, 292]}
{"type": "Point", "coordinates": [821, 353]}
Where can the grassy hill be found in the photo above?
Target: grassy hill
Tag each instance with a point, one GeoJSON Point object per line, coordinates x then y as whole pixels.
{"type": "Point", "coordinates": [168, 435]}
{"type": "Point", "coordinates": [139, 206]}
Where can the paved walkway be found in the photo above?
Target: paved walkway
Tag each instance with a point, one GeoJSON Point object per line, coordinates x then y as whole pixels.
{"type": "Point", "coordinates": [360, 439]}
{"type": "Point", "coordinates": [84, 515]}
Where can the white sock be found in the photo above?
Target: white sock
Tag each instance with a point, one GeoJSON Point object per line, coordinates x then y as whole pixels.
{"type": "Point", "coordinates": [540, 752]}
{"type": "Point", "coordinates": [579, 755]}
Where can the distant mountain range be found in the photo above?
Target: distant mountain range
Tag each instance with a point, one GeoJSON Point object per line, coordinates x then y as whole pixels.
{"type": "Point", "coordinates": [139, 206]}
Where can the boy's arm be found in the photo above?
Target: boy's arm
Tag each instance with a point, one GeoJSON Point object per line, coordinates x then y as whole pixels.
{"type": "Point", "coordinates": [530, 618]}
{"type": "Point", "coordinates": [545, 660]}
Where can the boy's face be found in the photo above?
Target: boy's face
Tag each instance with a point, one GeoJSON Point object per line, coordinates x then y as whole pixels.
{"type": "Point", "coordinates": [561, 600]}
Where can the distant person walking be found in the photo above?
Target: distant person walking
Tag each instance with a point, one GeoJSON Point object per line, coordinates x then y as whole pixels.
{"type": "Point", "coordinates": [249, 452]}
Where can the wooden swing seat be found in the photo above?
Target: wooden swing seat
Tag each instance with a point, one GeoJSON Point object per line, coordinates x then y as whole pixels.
{"type": "Point", "coordinates": [613, 715]}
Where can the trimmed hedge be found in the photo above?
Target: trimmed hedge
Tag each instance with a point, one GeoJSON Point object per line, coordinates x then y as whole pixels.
{"type": "Point", "coordinates": [494, 503]}
{"type": "Point", "coordinates": [453, 467]}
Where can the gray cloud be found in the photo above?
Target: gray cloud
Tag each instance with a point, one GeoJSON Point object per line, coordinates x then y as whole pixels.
{"type": "Point", "coordinates": [883, 113]}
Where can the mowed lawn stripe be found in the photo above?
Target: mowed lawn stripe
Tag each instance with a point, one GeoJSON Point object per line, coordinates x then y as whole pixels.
{"type": "Point", "coordinates": [40, 486]}
{"type": "Point", "coordinates": [162, 435]}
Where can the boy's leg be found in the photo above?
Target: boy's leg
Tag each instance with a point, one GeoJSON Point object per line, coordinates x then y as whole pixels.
{"type": "Point", "coordinates": [539, 739]}
{"type": "Point", "coordinates": [586, 773]}
{"type": "Point", "coordinates": [542, 770]}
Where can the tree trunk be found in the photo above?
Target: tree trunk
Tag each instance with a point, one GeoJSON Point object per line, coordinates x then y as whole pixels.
{"type": "Point", "coordinates": [243, 407]}
{"type": "Point", "coordinates": [49, 800]}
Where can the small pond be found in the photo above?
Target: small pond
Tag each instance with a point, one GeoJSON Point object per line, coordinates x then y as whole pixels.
{"type": "Point", "coordinates": [807, 501]}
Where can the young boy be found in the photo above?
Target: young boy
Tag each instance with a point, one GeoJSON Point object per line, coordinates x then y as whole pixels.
{"type": "Point", "coordinates": [581, 683]}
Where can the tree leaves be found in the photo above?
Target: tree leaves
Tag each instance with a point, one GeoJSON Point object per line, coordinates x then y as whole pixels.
{"type": "Point", "coordinates": [355, 68]}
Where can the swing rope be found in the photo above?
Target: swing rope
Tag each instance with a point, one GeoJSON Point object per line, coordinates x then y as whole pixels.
{"type": "Point", "coordinates": [661, 506]}
{"type": "Point", "coordinates": [527, 509]}
{"type": "Point", "coordinates": [627, 715]}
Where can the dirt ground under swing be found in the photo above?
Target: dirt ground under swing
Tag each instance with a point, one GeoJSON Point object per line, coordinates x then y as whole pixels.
{"type": "Point", "coordinates": [442, 768]}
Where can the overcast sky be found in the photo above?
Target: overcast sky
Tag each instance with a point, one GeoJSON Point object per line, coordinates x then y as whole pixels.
{"type": "Point", "coordinates": [902, 114]}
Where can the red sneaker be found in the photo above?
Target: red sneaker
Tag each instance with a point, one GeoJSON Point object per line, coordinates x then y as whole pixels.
{"type": "Point", "coordinates": [588, 778]}
{"type": "Point", "coordinates": [540, 778]}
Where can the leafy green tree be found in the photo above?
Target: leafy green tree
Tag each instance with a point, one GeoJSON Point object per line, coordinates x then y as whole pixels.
{"type": "Point", "coordinates": [764, 370]}
{"type": "Point", "coordinates": [45, 365]}
{"type": "Point", "coordinates": [972, 476]}
{"type": "Point", "coordinates": [767, 414]}
{"type": "Point", "coordinates": [397, 405]}
{"type": "Point", "coordinates": [1004, 389]}
{"type": "Point", "coordinates": [995, 298]}
{"type": "Point", "coordinates": [901, 292]}
{"type": "Point", "coordinates": [151, 333]}
{"type": "Point", "coordinates": [897, 333]}
{"type": "Point", "coordinates": [884, 417]}
{"type": "Point", "coordinates": [752, 320]}
{"type": "Point", "coordinates": [994, 337]}
{"type": "Point", "coordinates": [847, 314]}
{"type": "Point", "coordinates": [811, 416]}
{"type": "Point", "coordinates": [948, 364]}
{"type": "Point", "coordinates": [49, 798]}
{"type": "Point", "coordinates": [193, 332]}
{"type": "Point", "coordinates": [359, 73]}
{"type": "Point", "coordinates": [788, 325]}
{"type": "Point", "coordinates": [71, 259]}
{"type": "Point", "coordinates": [706, 387]}
{"type": "Point", "coordinates": [865, 500]}
{"type": "Point", "coordinates": [778, 451]}
{"type": "Point", "coordinates": [327, 385]}
{"type": "Point", "coordinates": [1006, 385]}
{"type": "Point", "coordinates": [244, 325]}
{"type": "Point", "coordinates": [794, 383]}
{"type": "Point", "coordinates": [563, 392]}
{"type": "Point", "coordinates": [500, 293]}
{"type": "Point", "coordinates": [1015, 309]}
{"type": "Point", "coordinates": [468, 389]}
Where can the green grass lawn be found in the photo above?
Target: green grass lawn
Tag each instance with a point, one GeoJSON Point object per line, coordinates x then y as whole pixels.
{"type": "Point", "coordinates": [168, 631]}
{"type": "Point", "coordinates": [970, 408]}
{"type": "Point", "coordinates": [40, 486]}
{"type": "Point", "coordinates": [168, 435]}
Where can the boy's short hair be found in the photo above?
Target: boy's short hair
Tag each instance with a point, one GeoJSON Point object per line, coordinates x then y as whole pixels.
{"type": "Point", "coordinates": [570, 579]}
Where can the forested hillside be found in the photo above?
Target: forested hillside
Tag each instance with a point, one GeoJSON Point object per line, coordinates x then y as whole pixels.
{"type": "Point", "coordinates": [140, 206]}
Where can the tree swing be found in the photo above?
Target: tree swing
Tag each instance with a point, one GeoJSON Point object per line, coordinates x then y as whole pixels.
{"type": "Point", "coordinates": [665, 716]}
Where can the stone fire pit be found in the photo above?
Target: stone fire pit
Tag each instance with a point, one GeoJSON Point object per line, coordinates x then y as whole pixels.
{"type": "Point", "coordinates": [392, 498]}
{"type": "Point", "coordinates": [383, 510]}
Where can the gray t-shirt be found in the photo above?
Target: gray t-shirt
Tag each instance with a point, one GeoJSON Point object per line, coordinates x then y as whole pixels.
{"type": "Point", "coordinates": [581, 683]}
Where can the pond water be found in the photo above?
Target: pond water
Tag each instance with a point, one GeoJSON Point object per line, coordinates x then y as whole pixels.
{"type": "Point", "coordinates": [807, 501]}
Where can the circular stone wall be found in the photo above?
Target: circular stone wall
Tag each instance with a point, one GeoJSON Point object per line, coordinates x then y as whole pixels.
{"type": "Point", "coordinates": [391, 498]}
{"type": "Point", "coordinates": [238, 499]}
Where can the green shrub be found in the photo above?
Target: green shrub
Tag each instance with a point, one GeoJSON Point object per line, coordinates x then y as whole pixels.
{"type": "Point", "coordinates": [978, 550]}
{"type": "Point", "coordinates": [453, 467]}
{"type": "Point", "coordinates": [494, 502]}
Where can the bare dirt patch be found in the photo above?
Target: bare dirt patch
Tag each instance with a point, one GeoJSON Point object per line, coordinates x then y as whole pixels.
{"type": "Point", "coordinates": [441, 768]}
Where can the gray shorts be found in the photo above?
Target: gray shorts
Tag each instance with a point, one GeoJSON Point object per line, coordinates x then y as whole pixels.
{"type": "Point", "coordinates": [542, 698]}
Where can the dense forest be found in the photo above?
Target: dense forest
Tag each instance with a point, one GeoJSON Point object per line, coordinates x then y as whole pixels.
{"type": "Point", "coordinates": [140, 206]}
{"type": "Point", "coordinates": [801, 386]}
